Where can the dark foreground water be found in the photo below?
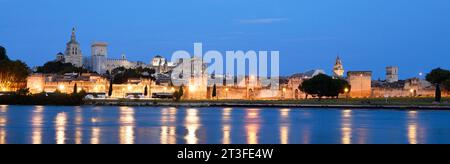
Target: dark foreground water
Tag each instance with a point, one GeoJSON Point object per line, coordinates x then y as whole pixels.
{"type": "Point", "coordinates": [128, 125]}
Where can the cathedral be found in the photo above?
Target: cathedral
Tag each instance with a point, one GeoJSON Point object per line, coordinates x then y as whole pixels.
{"type": "Point", "coordinates": [338, 69]}
{"type": "Point", "coordinates": [73, 53]}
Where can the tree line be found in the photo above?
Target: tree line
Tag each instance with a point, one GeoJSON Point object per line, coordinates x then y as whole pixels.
{"type": "Point", "coordinates": [13, 73]}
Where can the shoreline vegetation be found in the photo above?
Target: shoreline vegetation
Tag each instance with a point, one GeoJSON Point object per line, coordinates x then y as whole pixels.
{"type": "Point", "coordinates": [59, 99]}
{"type": "Point", "coordinates": [77, 99]}
{"type": "Point", "coordinates": [366, 103]}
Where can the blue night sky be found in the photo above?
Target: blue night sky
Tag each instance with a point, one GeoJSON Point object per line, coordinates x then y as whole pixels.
{"type": "Point", "coordinates": [368, 34]}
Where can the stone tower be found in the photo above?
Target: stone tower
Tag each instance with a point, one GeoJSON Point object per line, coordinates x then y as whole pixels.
{"type": "Point", "coordinates": [73, 53]}
{"type": "Point", "coordinates": [338, 69]}
{"type": "Point", "coordinates": [99, 52]}
{"type": "Point", "coordinates": [392, 74]}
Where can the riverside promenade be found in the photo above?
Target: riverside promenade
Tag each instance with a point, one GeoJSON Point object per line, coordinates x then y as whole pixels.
{"type": "Point", "coordinates": [404, 104]}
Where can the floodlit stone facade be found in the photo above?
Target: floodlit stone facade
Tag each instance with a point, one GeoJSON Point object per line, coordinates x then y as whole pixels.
{"type": "Point", "coordinates": [361, 83]}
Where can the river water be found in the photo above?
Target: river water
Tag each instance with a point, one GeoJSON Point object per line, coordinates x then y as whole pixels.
{"type": "Point", "coordinates": [154, 125]}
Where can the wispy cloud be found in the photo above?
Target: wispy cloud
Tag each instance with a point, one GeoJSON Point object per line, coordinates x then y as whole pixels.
{"type": "Point", "coordinates": [262, 20]}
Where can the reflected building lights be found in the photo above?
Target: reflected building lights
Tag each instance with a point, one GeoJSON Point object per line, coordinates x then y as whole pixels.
{"type": "Point", "coordinates": [95, 135]}
{"type": "Point", "coordinates": [126, 121]}
{"type": "Point", "coordinates": [412, 127]}
{"type": "Point", "coordinates": [226, 129]}
{"type": "Point", "coordinates": [60, 126]}
{"type": "Point", "coordinates": [284, 129]}
{"type": "Point", "coordinates": [252, 128]}
{"type": "Point", "coordinates": [78, 123]}
{"type": "Point", "coordinates": [346, 128]}
{"type": "Point", "coordinates": [284, 134]}
{"type": "Point", "coordinates": [3, 108]}
{"type": "Point", "coordinates": [3, 122]}
{"type": "Point", "coordinates": [192, 124]}
{"type": "Point", "coordinates": [37, 121]}
{"type": "Point", "coordinates": [168, 128]}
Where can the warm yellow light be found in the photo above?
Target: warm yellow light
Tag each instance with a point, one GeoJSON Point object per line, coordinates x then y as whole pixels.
{"type": "Point", "coordinates": [4, 89]}
{"type": "Point", "coordinates": [411, 90]}
{"type": "Point", "coordinates": [226, 89]}
{"type": "Point", "coordinates": [284, 89]}
{"type": "Point", "coordinates": [130, 88]}
{"type": "Point", "coordinates": [61, 87]}
{"type": "Point", "coordinates": [346, 90]}
{"type": "Point", "coordinates": [173, 89]}
{"type": "Point", "coordinates": [165, 88]}
{"type": "Point", "coordinates": [192, 88]}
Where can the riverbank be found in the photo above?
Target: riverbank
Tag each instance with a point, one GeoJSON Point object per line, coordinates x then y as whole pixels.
{"type": "Point", "coordinates": [397, 103]}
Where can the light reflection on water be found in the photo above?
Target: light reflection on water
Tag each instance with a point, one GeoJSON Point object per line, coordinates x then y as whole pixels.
{"type": "Point", "coordinates": [126, 120]}
{"type": "Point", "coordinates": [60, 126]}
{"type": "Point", "coordinates": [3, 123]}
{"type": "Point", "coordinates": [168, 126]}
{"type": "Point", "coordinates": [192, 124]}
{"type": "Point", "coordinates": [346, 127]}
{"type": "Point", "coordinates": [37, 121]}
{"type": "Point", "coordinates": [131, 125]}
{"type": "Point", "coordinates": [412, 127]}
{"type": "Point", "coordinates": [78, 123]}
{"type": "Point", "coordinates": [285, 125]}
{"type": "Point", "coordinates": [226, 128]}
{"type": "Point", "coordinates": [252, 120]}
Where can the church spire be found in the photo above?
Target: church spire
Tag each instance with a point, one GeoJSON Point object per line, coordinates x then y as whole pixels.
{"type": "Point", "coordinates": [338, 69]}
{"type": "Point", "coordinates": [73, 37]}
{"type": "Point", "coordinates": [338, 60]}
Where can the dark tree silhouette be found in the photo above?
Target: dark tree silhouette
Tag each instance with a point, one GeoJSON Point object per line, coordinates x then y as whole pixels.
{"type": "Point", "coordinates": [437, 77]}
{"type": "Point", "coordinates": [60, 68]}
{"type": "Point", "coordinates": [3, 55]}
{"type": "Point", "coordinates": [75, 88]}
{"type": "Point", "coordinates": [214, 91]}
{"type": "Point", "coordinates": [110, 90]}
{"type": "Point", "coordinates": [324, 86]}
{"type": "Point", "coordinates": [146, 91]}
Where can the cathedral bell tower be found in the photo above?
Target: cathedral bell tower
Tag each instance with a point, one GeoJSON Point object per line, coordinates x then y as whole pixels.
{"type": "Point", "coordinates": [338, 69]}
{"type": "Point", "coordinates": [73, 53]}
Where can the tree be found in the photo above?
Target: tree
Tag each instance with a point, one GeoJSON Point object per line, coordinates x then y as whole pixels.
{"type": "Point", "coordinates": [447, 84]}
{"type": "Point", "coordinates": [3, 55]}
{"type": "Point", "coordinates": [110, 90]}
{"type": "Point", "coordinates": [122, 74]}
{"type": "Point", "coordinates": [178, 94]}
{"type": "Point", "coordinates": [146, 91]}
{"type": "Point", "coordinates": [13, 74]}
{"type": "Point", "coordinates": [437, 77]}
{"type": "Point", "coordinates": [214, 91]}
{"type": "Point", "coordinates": [324, 86]}
{"type": "Point", "coordinates": [75, 89]}
{"type": "Point", "coordinates": [338, 86]}
{"type": "Point", "coordinates": [58, 67]}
